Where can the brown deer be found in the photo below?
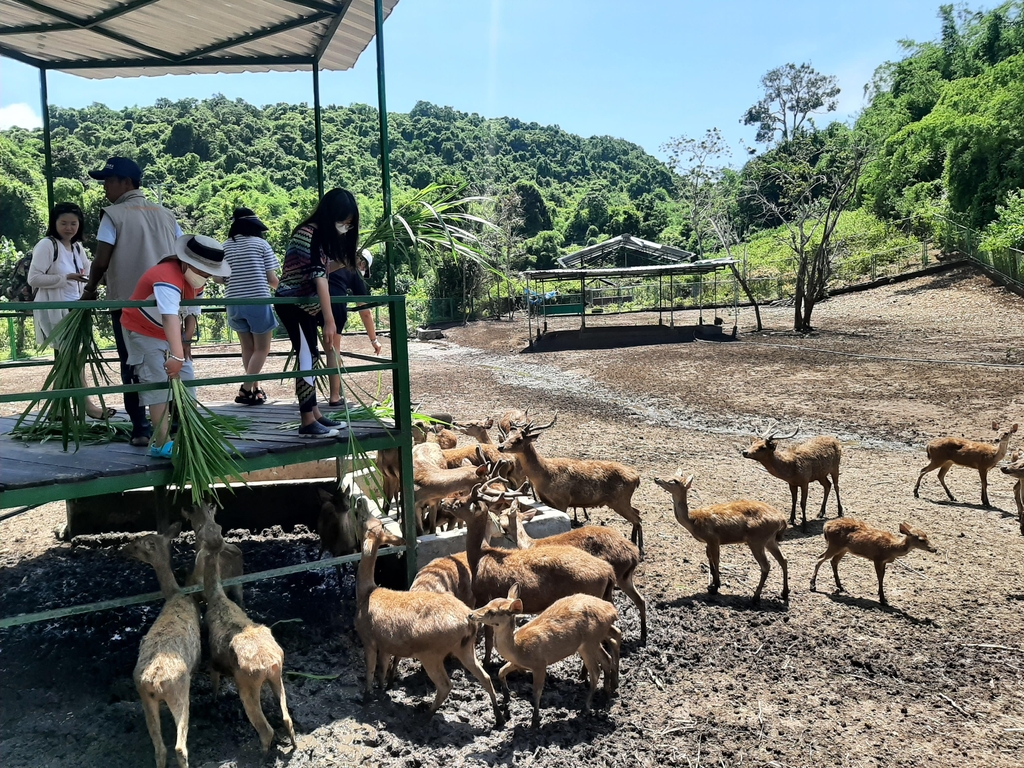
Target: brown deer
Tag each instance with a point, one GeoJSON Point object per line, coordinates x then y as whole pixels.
{"type": "Point", "coordinates": [811, 461]}
{"type": "Point", "coordinates": [573, 624]}
{"type": "Point", "coordinates": [757, 525]}
{"type": "Point", "coordinates": [170, 651]}
{"type": "Point", "coordinates": [602, 542]}
{"type": "Point", "coordinates": [944, 452]}
{"type": "Point", "coordinates": [1016, 469]}
{"type": "Point", "coordinates": [564, 483]}
{"type": "Point", "coordinates": [860, 538]}
{"type": "Point", "coordinates": [240, 647]}
{"type": "Point", "coordinates": [427, 626]}
{"type": "Point", "coordinates": [230, 557]}
{"type": "Point", "coordinates": [477, 429]}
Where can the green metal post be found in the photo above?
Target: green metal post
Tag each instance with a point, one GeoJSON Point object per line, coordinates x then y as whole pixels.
{"type": "Point", "coordinates": [12, 331]}
{"type": "Point", "coordinates": [385, 149]}
{"type": "Point", "coordinates": [400, 386]}
{"type": "Point", "coordinates": [47, 150]}
{"type": "Point", "coordinates": [317, 130]}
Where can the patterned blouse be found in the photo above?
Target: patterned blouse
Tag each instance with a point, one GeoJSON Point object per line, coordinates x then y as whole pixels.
{"type": "Point", "coordinates": [304, 262]}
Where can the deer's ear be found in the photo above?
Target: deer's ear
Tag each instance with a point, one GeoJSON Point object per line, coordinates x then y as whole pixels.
{"type": "Point", "coordinates": [905, 529]}
{"type": "Point", "coordinates": [688, 482]}
{"type": "Point", "coordinates": [173, 531]}
{"type": "Point", "coordinates": [513, 591]}
{"type": "Point", "coordinates": [516, 607]}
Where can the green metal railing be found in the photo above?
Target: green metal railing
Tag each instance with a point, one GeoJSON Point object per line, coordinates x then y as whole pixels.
{"type": "Point", "coordinates": [399, 436]}
{"type": "Point", "coordinates": [957, 238]}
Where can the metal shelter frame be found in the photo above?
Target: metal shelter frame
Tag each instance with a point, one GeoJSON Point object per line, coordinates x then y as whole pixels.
{"type": "Point", "coordinates": [33, 32]}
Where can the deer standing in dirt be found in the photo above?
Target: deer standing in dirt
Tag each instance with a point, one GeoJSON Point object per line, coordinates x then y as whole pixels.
{"type": "Point", "coordinates": [230, 556]}
{"type": "Point", "coordinates": [602, 542]}
{"type": "Point", "coordinates": [757, 525]}
{"type": "Point", "coordinates": [428, 626]}
{"type": "Point", "coordinates": [573, 624]}
{"type": "Point", "coordinates": [860, 538]}
{"type": "Point", "coordinates": [1016, 469]}
{"type": "Point", "coordinates": [240, 647]}
{"type": "Point", "coordinates": [170, 651]}
{"type": "Point", "coordinates": [811, 461]}
{"type": "Point", "coordinates": [944, 452]}
{"type": "Point", "coordinates": [564, 483]}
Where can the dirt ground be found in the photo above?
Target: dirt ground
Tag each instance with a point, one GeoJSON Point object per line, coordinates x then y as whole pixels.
{"type": "Point", "coordinates": [826, 679]}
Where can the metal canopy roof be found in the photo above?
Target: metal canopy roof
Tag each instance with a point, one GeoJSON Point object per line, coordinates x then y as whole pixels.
{"type": "Point", "coordinates": [666, 254]}
{"type": "Point", "coordinates": [703, 266]}
{"type": "Point", "coordinates": [128, 38]}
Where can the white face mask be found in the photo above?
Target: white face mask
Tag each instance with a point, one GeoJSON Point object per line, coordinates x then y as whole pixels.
{"type": "Point", "coordinates": [342, 228]}
{"type": "Point", "coordinates": [194, 279]}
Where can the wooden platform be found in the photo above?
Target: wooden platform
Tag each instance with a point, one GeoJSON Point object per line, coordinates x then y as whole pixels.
{"type": "Point", "coordinates": [34, 473]}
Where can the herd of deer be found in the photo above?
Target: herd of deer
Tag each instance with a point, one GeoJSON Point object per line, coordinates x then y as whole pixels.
{"type": "Point", "coordinates": [566, 580]}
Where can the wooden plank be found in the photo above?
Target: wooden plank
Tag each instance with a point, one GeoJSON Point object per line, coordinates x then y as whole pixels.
{"type": "Point", "coordinates": [20, 474]}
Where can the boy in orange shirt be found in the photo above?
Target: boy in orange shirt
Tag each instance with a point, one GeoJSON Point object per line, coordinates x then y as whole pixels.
{"type": "Point", "coordinates": [158, 337]}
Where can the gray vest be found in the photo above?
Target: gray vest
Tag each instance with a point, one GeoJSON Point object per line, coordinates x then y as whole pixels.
{"type": "Point", "coordinates": [145, 235]}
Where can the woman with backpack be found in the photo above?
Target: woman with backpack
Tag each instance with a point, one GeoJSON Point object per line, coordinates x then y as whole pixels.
{"type": "Point", "coordinates": [59, 271]}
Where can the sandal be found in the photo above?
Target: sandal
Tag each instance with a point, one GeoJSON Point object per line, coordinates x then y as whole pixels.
{"type": "Point", "coordinates": [337, 403]}
{"type": "Point", "coordinates": [105, 415]}
{"type": "Point", "coordinates": [259, 396]}
{"type": "Point", "coordinates": [246, 397]}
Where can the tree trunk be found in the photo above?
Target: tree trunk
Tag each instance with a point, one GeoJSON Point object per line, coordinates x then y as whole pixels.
{"type": "Point", "coordinates": [746, 290]}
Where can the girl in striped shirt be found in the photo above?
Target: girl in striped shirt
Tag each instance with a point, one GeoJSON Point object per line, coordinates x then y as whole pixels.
{"type": "Point", "coordinates": [253, 273]}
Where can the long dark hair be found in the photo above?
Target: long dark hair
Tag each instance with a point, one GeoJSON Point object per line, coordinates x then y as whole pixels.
{"type": "Point", "coordinates": [336, 205]}
{"type": "Point", "coordinates": [59, 210]}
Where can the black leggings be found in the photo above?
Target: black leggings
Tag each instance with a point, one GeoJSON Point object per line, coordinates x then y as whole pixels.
{"type": "Point", "coordinates": [302, 331]}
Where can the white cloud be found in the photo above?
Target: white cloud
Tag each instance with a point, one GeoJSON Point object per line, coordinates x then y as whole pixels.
{"type": "Point", "coordinates": [21, 115]}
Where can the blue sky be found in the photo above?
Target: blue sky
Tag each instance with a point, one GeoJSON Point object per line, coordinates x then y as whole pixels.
{"type": "Point", "coordinates": [644, 70]}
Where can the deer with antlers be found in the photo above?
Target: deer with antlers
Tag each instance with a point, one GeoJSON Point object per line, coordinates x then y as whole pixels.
{"type": "Point", "coordinates": [944, 452]}
{"type": "Point", "coordinates": [813, 460]}
{"type": "Point", "coordinates": [563, 483]}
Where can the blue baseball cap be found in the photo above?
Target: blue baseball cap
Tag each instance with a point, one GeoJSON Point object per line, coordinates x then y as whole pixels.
{"type": "Point", "coordinates": [119, 166]}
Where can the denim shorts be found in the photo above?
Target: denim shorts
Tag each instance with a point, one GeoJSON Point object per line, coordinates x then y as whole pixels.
{"type": "Point", "coordinates": [252, 319]}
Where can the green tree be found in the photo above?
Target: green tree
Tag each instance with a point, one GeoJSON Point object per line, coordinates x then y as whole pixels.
{"type": "Point", "coordinates": [791, 95]}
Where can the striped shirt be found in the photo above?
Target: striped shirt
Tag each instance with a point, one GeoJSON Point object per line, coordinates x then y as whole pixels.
{"type": "Point", "coordinates": [250, 259]}
{"type": "Point", "coordinates": [304, 262]}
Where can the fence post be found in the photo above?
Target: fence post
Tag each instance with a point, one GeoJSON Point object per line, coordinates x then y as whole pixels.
{"type": "Point", "coordinates": [872, 267]}
{"type": "Point", "coordinates": [924, 253]}
{"type": "Point", "coordinates": [11, 337]}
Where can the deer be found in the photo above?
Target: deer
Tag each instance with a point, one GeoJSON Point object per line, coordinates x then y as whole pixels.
{"type": "Point", "coordinates": [860, 538]}
{"type": "Point", "coordinates": [944, 452]}
{"type": "Point", "coordinates": [813, 460]}
{"type": "Point", "coordinates": [1016, 469]}
{"type": "Point", "coordinates": [753, 523]}
{"type": "Point", "coordinates": [230, 557]}
{"type": "Point", "coordinates": [603, 543]}
{"type": "Point", "coordinates": [428, 626]}
{"type": "Point", "coordinates": [564, 483]}
{"type": "Point", "coordinates": [476, 429]}
{"type": "Point", "coordinates": [342, 517]}
{"type": "Point", "coordinates": [544, 574]}
{"type": "Point", "coordinates": [169, 653]}
{"type": "Point", "coordinates": [240, 647]}
{"type": "Point", "coordinates": [573, 624]}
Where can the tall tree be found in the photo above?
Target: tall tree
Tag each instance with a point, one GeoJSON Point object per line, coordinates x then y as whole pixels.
{"type": "Point", "coordinates": [807, 184]}
{"type": "Point", "coordinates": [791, 95]}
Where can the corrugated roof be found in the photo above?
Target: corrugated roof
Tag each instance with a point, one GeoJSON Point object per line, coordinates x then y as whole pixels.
{"type": "Point", "coordinates": [666, 254]}
{"type": "Point", "coordinates": [704, 266]}
{"type": "Point", "coordinates": [127, 38]}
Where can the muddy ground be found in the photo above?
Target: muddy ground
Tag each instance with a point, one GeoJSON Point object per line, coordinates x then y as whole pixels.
{"type": "Point", "coordinates": [823, 680]}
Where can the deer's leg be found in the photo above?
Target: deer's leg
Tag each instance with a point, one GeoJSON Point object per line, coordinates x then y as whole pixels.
{"type": "Point", "coordinates": [713, 555]}
{"type": "Point", "coordinates": [984, 488]}
{"type": "Point", "coordinates": [773, 547]}
{"type": "Point", "coordinates": [792, 509]}
{"type": "Point", "coordinates": [593, 664]}
{"type": "Point", "coordinates": [467, 655]}
{"type": "Point", "coordinates": [827, 485]}
{"type": "Point", "coordinates": [249, 692]}
{"type": "Point", "coordinates": [370, 652]}
{"type": "Point", "coordinates": [932, 465]}
{"type": "Point", "coordinates": [1018, 496]}
{"type": "Point", "coordinates": [803, 506]}
{"type": "Point", "coordinates": [488, 642]}
{"type": "Point", "coordinates": [880, 572]}
{"type": "Point", "coordinates": [614, 640]}
{"type": "Point", "coordinates": [835, 570]}
{"type": "Point", "coordinates": [539, 676]}
{"type": "Point", "coordinates": [942, 479]}
{"type": "Point", "coordinates": [757, 550]}
{"type": "Point", "coordinates": [630, 590]}
{"type": "Point", "coordinates": [277, 685]}
{"type": "Point", "coordinates": [434, 667]}
{"type": "Point", "coordinates": [177, 702]}
{"type": "Point", "coordinates": [835, 482]}
{"type": "Point", "coordinates": [215, 681]}
{"type": "Point", "coordinates": [151, 709]}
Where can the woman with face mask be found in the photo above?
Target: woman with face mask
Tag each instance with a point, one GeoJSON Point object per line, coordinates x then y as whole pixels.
{"type": "Point", "coordinates": [58, 272]}
{"type": "Point", "coordinates": [324, 243]}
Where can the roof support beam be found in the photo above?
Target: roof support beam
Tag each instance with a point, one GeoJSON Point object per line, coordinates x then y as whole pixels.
{"type": "Point", "coordinates": [225, 61]}
{"type": "Point", "coordinates": [93, 26]}
{"type": "Point", "coordinates": [319, 5]}
{"type": "Point", "coordinates": [11, 53]}
{"type": "Point", "coordinates": [258, 35]}
{"type": "Point", "coordinates": [325, 41]}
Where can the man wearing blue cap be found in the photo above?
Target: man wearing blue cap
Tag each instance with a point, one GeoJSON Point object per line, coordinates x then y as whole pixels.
{"type": "Point", "coordinates": [134, 235]}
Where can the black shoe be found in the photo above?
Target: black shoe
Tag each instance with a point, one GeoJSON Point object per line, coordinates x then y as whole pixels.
{"type": "Point", "coordinates": [317, 430]}
{"type": "Point", "coordinates": [329, 423]}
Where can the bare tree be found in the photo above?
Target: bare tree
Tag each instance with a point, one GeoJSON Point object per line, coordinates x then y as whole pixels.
{"type": "Point", "coordinates": [791, 95]}
{"type": "Point", "coordinates": [807, 185]}
{"type": "Point", "coordinates": [504, 242]}
{"type": "Point", "coordinates": [705, 191]}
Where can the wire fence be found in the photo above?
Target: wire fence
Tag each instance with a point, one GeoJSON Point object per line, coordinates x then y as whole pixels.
{"type": "Point", "coordinates": [962, 240]}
